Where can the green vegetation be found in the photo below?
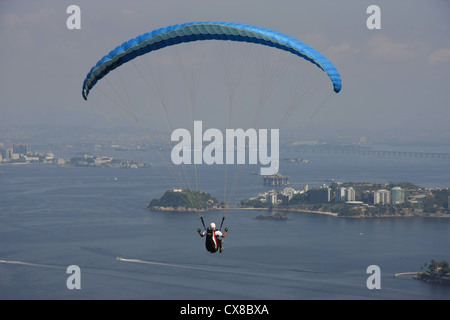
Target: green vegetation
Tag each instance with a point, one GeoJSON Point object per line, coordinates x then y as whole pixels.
{"type": "Point", "coordinates": [253, 203]}
{"type": "Point", "coordinates": [185, 200]}
{"type": "Point", "coordinates": [436, 272]}
{"type": "Point", "coordinates": [436, 200]}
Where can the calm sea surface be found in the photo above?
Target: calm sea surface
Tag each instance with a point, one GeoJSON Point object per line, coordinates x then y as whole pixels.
{"type": "Point", "coordinates": [53, 217]}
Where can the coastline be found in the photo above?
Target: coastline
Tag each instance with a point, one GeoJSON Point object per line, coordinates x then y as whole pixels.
{"type": "Point", "coordinates": [326, 213]}
{"type": "Point", "coordinates": [289, 210]}
{"type": "Point", "coordinates": [183, 209]}
{"type": "Point", "coordinates": [180, 209]}
{"type": "Point", "coordinates": [334, 214]}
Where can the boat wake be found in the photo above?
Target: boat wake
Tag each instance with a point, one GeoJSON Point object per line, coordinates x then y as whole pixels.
{"type": "Point", "coordinates": [30, 264]}
{"type": "Point", "coordinates": [162, 264]}
{"type": "Point", "coordinates": [254, 271]}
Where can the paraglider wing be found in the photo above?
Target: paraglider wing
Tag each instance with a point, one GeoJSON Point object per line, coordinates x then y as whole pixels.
{"type": "Point", "coordinates": [197, 31]}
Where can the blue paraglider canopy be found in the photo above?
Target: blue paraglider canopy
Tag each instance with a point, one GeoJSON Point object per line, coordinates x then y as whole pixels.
{"type": "Point", "coordinates": [198, 31]}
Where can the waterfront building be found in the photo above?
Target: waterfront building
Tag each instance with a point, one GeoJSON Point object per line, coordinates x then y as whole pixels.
{"type": "Point", "coordinates": [323, 194]}
{"type": "Point", "coordinates": [382, 197]}
{"type": "Point", "coordinates": [21, 149]}
{"type": "Point", "coordinates": [29, 159]}
{"type": "Point", "coordinates": [350, 194]}
{"type": "Point", "coordinates": [341, 194]}
{"type": "Point", "coordinates": [345, 194]}
{"type": "Point", "coordinates": [9, 153]}
{"type": "Point", "coordinates": [271, 197]}
{"type": "Point", "coordinates": [398, 195]}
{"type": "Point", "coordinates": [288, 193]}
{"type": "Point", "coordinates": [99, 161]}
{"type": "Point", "coordinates": [49, 157]}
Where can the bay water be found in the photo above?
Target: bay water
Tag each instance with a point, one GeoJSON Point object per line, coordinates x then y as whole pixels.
{"type": "Point", "coordinates": [53, 217]}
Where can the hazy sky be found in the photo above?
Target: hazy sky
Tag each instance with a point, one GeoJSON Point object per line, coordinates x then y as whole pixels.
{"type": "Point", "coordinates": [395, 80]}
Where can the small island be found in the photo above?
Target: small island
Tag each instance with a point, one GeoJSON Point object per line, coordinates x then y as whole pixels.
{"type": "Point", "coordinates": [436, 272]}
{"type": "Point", "coordinates": [185, 200]}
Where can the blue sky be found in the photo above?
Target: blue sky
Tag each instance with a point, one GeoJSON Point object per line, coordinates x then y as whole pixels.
{"type": "Point", "coordinates": [395, 80]}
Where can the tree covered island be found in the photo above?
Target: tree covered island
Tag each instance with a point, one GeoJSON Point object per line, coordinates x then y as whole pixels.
{"type": "Point", "coordinates": [435, 272]}
{"type": "Point", "coordinates": [185, 200]}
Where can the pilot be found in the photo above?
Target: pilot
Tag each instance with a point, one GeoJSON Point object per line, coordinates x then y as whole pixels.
{"type": "Point", "coordinates": [214, 237]}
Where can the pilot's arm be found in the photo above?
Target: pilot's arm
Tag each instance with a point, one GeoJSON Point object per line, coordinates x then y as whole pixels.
{"type": "Point", "coordinates": [225, 233]}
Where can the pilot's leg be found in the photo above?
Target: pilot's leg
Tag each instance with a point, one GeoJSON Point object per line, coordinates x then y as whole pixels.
{"type": "Point", "coordinates": [220, 242]}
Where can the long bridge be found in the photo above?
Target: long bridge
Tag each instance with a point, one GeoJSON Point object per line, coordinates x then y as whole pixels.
{"type": "Point", "coordinates": [370, 152]}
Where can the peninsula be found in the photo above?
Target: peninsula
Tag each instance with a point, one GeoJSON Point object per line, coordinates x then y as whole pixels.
{"type": "Point", "coordinates": [356, 200]}
{"type": "Point", "coordinates": [185, 200]}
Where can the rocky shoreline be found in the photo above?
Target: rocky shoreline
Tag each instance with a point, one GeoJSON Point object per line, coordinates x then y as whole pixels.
{"type": "Point", "coordinates": [179, 209]}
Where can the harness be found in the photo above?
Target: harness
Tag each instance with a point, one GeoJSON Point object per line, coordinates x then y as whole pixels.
{"type": "Point", "coordinates": [211, 240]}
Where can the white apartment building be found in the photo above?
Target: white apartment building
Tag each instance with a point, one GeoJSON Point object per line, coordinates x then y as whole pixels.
{"type": "Point", "coordinates": [382, 197]}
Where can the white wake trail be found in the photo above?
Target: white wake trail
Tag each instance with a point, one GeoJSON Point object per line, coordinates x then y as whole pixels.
{"type": "Point", "coordinates": [162, 264]}
{"type": "Point", "coordinates": [31, 264]}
